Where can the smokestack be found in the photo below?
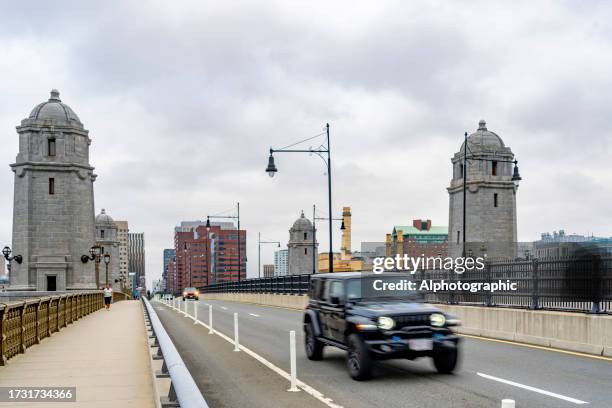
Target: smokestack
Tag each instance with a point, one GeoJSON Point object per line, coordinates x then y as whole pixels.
{"type": "Point", "coordinates": [346, 233]}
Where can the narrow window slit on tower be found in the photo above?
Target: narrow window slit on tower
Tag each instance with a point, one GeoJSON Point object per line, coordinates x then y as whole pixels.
{"type": "Point", "coordinates": [51, 147]}
{"type": "Point", "coordinates": [495, 200]}
{"type": "Point", "coordinates": [494, 168]}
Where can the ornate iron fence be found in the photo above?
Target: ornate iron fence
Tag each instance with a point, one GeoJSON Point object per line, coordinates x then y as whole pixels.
{"type": "Point", "coordinates": [568, 284]}
{"type": "Point", "coordinates": [24, 324]}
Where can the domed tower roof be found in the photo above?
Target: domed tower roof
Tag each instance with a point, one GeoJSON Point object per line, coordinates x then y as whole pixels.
{"type": "Point", "coordinates": [302, 223]}
{"type": "Point", "coordinates": [484, 140]}
{"type": "Point", "coordinates": [104, 218]}
{"type": "Point", "coordinates": [54, 110]}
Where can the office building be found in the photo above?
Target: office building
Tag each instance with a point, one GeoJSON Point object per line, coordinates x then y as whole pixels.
{"type": "Point", "coordinates": [420, 238]}
{"type": "Point", "coordinates": [206, 256]}
{"type": "Point", "coordinates": [268, 270]}
{"type": "Point", "coordinates": [122, 236]}
{"type": "Point", "coordinates": [281, 262]}
{"type": "Point", "coordinates": [136, 257]}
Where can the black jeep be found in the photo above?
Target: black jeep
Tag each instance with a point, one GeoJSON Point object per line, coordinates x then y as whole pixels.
{"type": "Point", "coordinates": [373, 317]}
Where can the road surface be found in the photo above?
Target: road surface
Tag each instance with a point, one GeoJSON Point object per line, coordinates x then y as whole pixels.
{"type": "Point", "coordinates": [489, 371]}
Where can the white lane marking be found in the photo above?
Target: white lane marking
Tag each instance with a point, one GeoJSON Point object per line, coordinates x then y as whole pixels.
{"type": "Point", "coordinates": [223, 307]}
{"type": "Point", "coordinates": [307, 388]}
{"type": "Point", "coordinates": [254, 315]}
{"type": "Point", "coordinates": [534, 389]}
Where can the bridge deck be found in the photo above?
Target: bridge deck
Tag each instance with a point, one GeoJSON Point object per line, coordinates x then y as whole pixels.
{"type": "Point", "coordinates": [104, 355]}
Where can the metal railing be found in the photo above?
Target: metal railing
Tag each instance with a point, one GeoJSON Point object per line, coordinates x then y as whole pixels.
{"type": "Point", "coordinates": [568, 284]}
{"type": "Point", "coordinates": [183, 391]}
{"type": "Point", "coordinates": [25, 323]}
{"type": "Point", "coordinates": [288, 285]}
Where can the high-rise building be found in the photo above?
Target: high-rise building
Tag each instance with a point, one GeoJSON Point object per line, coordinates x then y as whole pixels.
{"type": "Point", "coordinates": [53, 211]}
{"type": "Point", "coordinates": [136, 257]}
{"type": "Point", "coordinates": [302, 252]}
{"type": "Point", "coordinates": [490, 199]}
{"type": "Point", "coordinates": [281, 262]}
{"type": "Point", "coordinates": [122, 236]}
{"type": "Point", "coordinates": [268, 270]}
{"type": "Point", "coordinates": [169, 256]}
{"type": "Point", "coordinates": [205, 256]}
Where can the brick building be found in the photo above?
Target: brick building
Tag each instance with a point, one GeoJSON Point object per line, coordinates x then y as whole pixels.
{"type": "Point", "coordinates": [420, 238]}
{"type": "Point", "coordinates": [205, 257]}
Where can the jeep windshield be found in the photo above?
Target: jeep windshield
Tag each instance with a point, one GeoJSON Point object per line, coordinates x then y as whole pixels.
{"type": "Point", "coordinates": [379, 287]}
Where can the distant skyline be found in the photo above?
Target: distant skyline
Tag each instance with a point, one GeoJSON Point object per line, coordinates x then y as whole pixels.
{"type": "Point", "coordinates": [183, 103]}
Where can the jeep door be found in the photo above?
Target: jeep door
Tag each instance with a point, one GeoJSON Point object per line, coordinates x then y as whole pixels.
{"type": "Point", "coordinates": [333, 308]}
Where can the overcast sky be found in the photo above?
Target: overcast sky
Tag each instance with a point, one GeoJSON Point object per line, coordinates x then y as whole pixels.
{"type": "Point", "coordinates": [183, 100]}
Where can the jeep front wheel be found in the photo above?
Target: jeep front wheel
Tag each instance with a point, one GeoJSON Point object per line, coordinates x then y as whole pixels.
{"type": "Point", "coordinates": [314, 347]}
{"type": "Point", "coordinates": [358, 359]}
{"type": "Point", "coordinates": [445, 361]}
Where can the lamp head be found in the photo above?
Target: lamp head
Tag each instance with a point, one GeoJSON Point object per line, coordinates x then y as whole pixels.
{"type": "Point", "coordinates": [271, 169]}
{"type": "Point", "coordinates": [207, 223]}
{"type": "Point", "coordinates": [516, 177]}
{"type": "Point", "coordinates": [6, 252]}
{"type": "Point", "coordinates": [107, 258]}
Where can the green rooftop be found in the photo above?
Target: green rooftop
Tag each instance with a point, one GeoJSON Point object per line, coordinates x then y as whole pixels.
{"type": "Point", "coordinates": [410, 230]}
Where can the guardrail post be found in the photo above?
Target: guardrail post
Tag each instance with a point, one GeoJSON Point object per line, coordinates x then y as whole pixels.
{"type": "Point", "coordinates": [596, 285]}
{"type": "Point", "coordinates": [210, 322]}
{"type": "Point", "coordinates": [507, 403]}
{"type": "Point", "coordinates": [22, 346]}
{"type": "Point", "coordinates": [535, 285]}
{"type": "Point", "coordinates": [38, 321]}
{"type": "Point", "coordinates": [236, 343]}
{"type": "Point", "coordinates": [292, 358]}
{"type": "Point", "coordinates": [3, 313]}
{"type": "Point", "coordinates": [488, 294]}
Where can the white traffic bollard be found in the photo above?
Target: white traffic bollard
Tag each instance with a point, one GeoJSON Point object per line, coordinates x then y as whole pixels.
{"type": "Point", "coordinates": [294, 387]}
{"type": "Point", "coordinates": [507, 403]}
{"type": "Point", "coordinates": [186, 301]}
{"type": "Point", "coordinates": [195, 312]}
{"type": "Point", "coordinates": [236, 342]}
{"type": "Point", "coordinates": [210, 329]}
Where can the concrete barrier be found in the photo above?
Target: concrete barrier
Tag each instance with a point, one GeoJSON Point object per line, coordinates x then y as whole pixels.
{"type": "Point", "coordinates": [578, 332]}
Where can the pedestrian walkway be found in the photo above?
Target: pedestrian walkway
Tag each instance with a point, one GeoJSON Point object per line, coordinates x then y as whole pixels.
{"type": "Point", "coordinates": [104, 355]}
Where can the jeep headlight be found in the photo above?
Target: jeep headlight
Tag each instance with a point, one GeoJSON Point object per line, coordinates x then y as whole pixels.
{"type": "Point", "coordinates": [386, 323]}
{"type": "Point", "coordinates": [437, 319]}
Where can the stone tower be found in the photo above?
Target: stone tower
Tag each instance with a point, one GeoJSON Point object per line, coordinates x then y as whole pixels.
{"type": "Point", "coordinates": [491, 198]}
{"type": "Point", "coordinates": [53, 211]}
{"type": "Point", "coordinates": [300, 247]}
{"type": "Point", "coordinates": [107, 237]}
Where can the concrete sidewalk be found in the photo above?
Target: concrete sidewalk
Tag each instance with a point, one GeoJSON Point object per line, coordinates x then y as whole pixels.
{"type": "Point", "coordinates": [104, 355]}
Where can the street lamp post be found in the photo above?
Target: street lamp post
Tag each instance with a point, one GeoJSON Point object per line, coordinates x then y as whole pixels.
{"type": "Point", "coordinates": [107, 259]}
{"type": "Point", "coordinates": [95, 254]}
{"type": "Point", "coordinates": [516, 178]}
{"type": "Point", "coordinates": [233, 217]}
{"type": "Point", "coordinates": [259, 242]}
{"type": "Point", "coordinates": [6, 252]}
{"type": "Point", "coordinates": [322, 150]}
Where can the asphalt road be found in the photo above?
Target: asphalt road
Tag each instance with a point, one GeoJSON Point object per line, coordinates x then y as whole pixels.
{"type": "Point", "coordinates": [489, 371]}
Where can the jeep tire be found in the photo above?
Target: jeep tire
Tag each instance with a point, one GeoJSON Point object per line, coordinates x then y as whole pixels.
{"type": "Point", "coordinates": [358, 359]}
{"type": "Point", "coordinates": [313, 346]}
{"type": "Point", "coordinates": [445, 361]}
